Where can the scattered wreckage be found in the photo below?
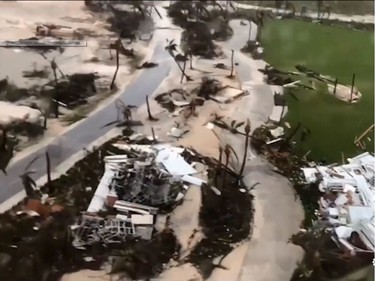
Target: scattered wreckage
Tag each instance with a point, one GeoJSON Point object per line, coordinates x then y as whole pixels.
{"type": "Point", "coordinates": [307, 79]}
{"type": "Point", "coordinates": [146, 180]}
{"type": "Point", "coordinates": [347, 206]}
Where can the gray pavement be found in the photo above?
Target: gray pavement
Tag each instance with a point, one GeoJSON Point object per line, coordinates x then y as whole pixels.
{"type": "Point", "coordinates": [89, 130]}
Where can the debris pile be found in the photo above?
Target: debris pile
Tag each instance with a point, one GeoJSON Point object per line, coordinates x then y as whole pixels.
{"type": "Point", "coordinates": [254, 48]}
{"type": "Point", "coordinates": [176, 100]}
{"type": "Point", "coordinates": [137, 185]}
{"type": "Point", "coordinates": [197, 36]}
{"type": "Point", "coordinates": [73, 90]}
{"type": "Point", "coordinates": [347, 204]}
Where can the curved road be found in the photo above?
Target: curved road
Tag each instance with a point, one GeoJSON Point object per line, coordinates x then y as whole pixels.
{"type": "Point", "coordinates": [89, 130]}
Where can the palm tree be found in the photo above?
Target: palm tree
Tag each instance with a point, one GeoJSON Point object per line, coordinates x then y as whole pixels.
{"type": "Point", "coordinates": [289, 6]}
{"type": "Point", "coordinates": [27, 181]}
{"type": "Point", "coordinates": [150, 117]}
{"type": "Point", "coordinates": [228, 150]}
{"type": "Point", "coordinates": [232, 64]}
{"type": "Point", "coordinates": [125, 111]}
{"type": "Point", "coordinates": [183, 68]}
{"type": "Point", "coordinates": [259, 20]}
{"type": "Point", "coordinates": [247, 131]}
{"type": "Point", "coordinates": [117, 45]}
{"type": "Point", "coordinates": [218, 169]}
{"type": "Point", "coordinates": [319, 4]}
{"type": "Point", "coordinates": [250, 19]}
{"type": "Point", "coordinates": [6, 150]}
{"type": "Point", "coordinates": [171, 48]}
{"type": "Point", "coordinates": [50, 187]}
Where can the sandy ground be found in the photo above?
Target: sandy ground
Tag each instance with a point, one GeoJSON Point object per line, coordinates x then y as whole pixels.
{"type": "Point", "coordinates": [267, 256]}
{"type": "Point", "coordinates": [18, 20]}
{"type": "Point", "coordinates": [268, 246]}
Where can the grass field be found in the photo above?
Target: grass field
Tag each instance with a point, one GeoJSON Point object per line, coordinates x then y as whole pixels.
{"type": "Point", "coordinates": [333, 51]}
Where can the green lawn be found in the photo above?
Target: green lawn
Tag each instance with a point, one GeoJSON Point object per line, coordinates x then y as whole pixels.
{"type": "Point", "coordinates": [333, 51]}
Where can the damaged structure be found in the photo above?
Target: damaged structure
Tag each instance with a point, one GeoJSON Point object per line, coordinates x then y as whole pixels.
{"type": "Point", "coordinates": [347, 206]}
{"type": "Point", "coordinates": [136, 186]}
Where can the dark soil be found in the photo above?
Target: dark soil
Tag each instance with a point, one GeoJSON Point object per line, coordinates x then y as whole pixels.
{"type": "Point", "coordinates": [36, 249]}
{"type": "Point", "coordinates": [226, 220]}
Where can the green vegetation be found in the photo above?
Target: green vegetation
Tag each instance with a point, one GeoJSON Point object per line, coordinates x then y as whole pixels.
{"type": "Point", "coordinates": [332, 51]}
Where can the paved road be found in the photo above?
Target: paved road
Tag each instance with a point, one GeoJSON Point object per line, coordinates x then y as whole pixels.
{"type": "Point", "coordinates": [89, 129]}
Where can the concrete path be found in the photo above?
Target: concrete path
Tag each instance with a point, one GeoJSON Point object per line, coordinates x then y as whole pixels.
{"type": "Point", "coordinates": [277, 215]}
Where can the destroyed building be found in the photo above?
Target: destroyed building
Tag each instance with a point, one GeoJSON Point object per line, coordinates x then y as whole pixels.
{"type": "Point", "coordinates": [347, 206]}
{"type": "Point", "coordinates": [135, 187]}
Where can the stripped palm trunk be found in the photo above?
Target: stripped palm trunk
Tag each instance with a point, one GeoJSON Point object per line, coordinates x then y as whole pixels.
{"type": "Point", "coordinates": [182, 75]}
{"type": "Point", "coordinates": [191, 60]}
{"type": "Point", "coordinates": [117, 63]}
{"type": "Point", "coordinates": [232, 64]}
{"type": "Point", "coordinates": [247, 131]}
{"type": "Point", "coordinates": [171, 47]}
{"type": "Point", "coordinates": [4, 136]}
{"type": "Point", "coordinates": [153, 135]}
{"type": "Point", "coordinates": [218, 169]}
{"type": "Point", "coordinates": [49, 181]}
{"type": "Point", "coordinates": [150, 117]}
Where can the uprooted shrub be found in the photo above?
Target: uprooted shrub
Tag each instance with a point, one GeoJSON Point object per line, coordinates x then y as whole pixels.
{"type": "Point", "coordinates": [10, 92]}
{"type": "Point", "coordinates": [125, 23]}
{"type": "Point", "coordinates": [73, 90]}
{"type": "Point", "coordinates": [197, 36]}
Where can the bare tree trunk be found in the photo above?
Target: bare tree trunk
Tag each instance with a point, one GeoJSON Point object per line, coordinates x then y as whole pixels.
{"type": "Point", "coordinates": [150, 117]}
{"type": "Point", "coordinates": [3, 145]}
{"type": "Point", "coordinates": [244, 157]}
{"type": "Point", "coordinates": [232, 64]}
{"type": "Point", "coordinates": [351, 90]}
{"type": "Point", "coordinates": [191, 61]}
{"type": "Point", "coordinates": [293, 133]}
{"type": "Point", "coordinates": [334, 89]}
{"type": "Point", "coordinates": [117, 67]}
{"type": "Point", "coordinates": [281, 116]}
{"type": "Point", "coordinates": [183, 69]}
{"type": "Point", "coordinates": [259, 31]}
{"type": "Point", "coordinates": [153, 135]}
{"type": "Point", "coordinates": [51, 190]}
{"type": "Point", "coordinates": [250, 30]}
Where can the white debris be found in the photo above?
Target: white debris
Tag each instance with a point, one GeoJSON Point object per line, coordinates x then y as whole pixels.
{"type": "Point", "coordinates": [277, 132]}
{"type": "Point", "coordinates": [10, 113]}
{"type": "Point", "coordinates": [127, 172]}
{"type": "Point", "coordinates": [349, 200]}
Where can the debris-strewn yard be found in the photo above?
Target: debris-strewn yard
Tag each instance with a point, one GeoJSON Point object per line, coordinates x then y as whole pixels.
{"type": "Point", "coordinates": [58, 85]}
{"type": "Point", "coordinates": [331, 51]}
